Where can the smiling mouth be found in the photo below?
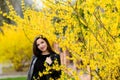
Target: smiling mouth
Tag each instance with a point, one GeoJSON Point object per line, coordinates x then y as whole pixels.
{"type": "Point", "coordinates": [42, 48]}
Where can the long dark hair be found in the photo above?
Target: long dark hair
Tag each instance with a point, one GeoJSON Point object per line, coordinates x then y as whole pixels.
{"type": "Point", "coordinates": [36, 51]}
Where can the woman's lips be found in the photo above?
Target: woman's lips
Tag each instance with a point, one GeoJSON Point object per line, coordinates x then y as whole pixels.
{"type": "Point", "coordinates": [42, 48]}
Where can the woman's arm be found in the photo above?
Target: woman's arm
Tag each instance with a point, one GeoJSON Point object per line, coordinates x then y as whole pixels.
{"type": "Point", "coordinates": [30, 71]}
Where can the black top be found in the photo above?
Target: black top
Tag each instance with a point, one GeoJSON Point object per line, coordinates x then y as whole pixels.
{"type": "Point", "coordinates": [39, 67]}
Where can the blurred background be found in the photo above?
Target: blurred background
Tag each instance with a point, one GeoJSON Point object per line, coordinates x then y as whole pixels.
{"type": "Point", "coordinates": [15, 48]}
{"type": "Point", "coordinates": [86, 34]}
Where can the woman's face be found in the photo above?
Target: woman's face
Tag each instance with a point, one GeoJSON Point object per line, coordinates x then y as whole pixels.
{"type": "Point", "coordinates": [42, 45]}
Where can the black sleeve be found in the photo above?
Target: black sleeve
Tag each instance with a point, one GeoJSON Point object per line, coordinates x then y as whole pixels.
{"type": "Point", "coordinates": [56, 57]}
{"type": "Point", "coordinates": [56, 73]}
{"type": "Point", "coordinates": [30, 71]}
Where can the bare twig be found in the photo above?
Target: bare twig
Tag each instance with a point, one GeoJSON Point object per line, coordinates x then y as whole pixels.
{"type": "Point", "coordinates": [102, 25]}
{"type": "Point", "coordinates": [27, 36]}
{"type": "Point", "coordinates": [86, 24]}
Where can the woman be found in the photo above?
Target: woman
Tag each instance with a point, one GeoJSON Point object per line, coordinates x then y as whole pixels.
{"type": "Point", "coordinates": [43, 53]}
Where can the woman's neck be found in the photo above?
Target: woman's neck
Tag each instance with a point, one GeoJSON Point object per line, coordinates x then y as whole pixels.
{"type": "Point", "coordinates": [45, 53]}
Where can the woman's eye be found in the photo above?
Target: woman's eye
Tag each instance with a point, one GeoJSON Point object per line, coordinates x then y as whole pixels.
{"type": "Point", "coordinates": [42, 42]}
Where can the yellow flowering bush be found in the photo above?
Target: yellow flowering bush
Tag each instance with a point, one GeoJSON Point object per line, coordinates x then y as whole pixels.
{"type": "Point", "coordinates": [15, 47]}
{"type": "Point", "coordinates": [89, 29]}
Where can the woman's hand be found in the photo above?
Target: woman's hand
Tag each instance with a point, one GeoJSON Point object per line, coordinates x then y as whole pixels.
{"type": "Point", "coordinates": [48, 60]}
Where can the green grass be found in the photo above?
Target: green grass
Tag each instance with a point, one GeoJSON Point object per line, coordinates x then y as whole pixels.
{"type": "Point", "coordinates": [17, 78]}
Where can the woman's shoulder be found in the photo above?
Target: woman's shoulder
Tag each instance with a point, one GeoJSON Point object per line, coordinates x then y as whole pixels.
{"type": "Point", "coordinates": [54, 55]}
{"type": "Point", "coordinates": [34, 57]}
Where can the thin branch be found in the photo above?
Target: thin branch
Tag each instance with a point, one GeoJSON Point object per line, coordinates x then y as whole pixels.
{"type": "Point", "coordinates": [86, 24]}
{"type": "Point", "coordinates": [1, 31]}
{"type": "Point", "coordinates": [77, 16]}
{"type": "Point", "coordinates": [102, 25]}
{"type": "Point", "coordinates": [103, 42]}
{"type": "Point", "coordinates": [27, 36]}
{"type": "Point", "coordinates": [98, 75]}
